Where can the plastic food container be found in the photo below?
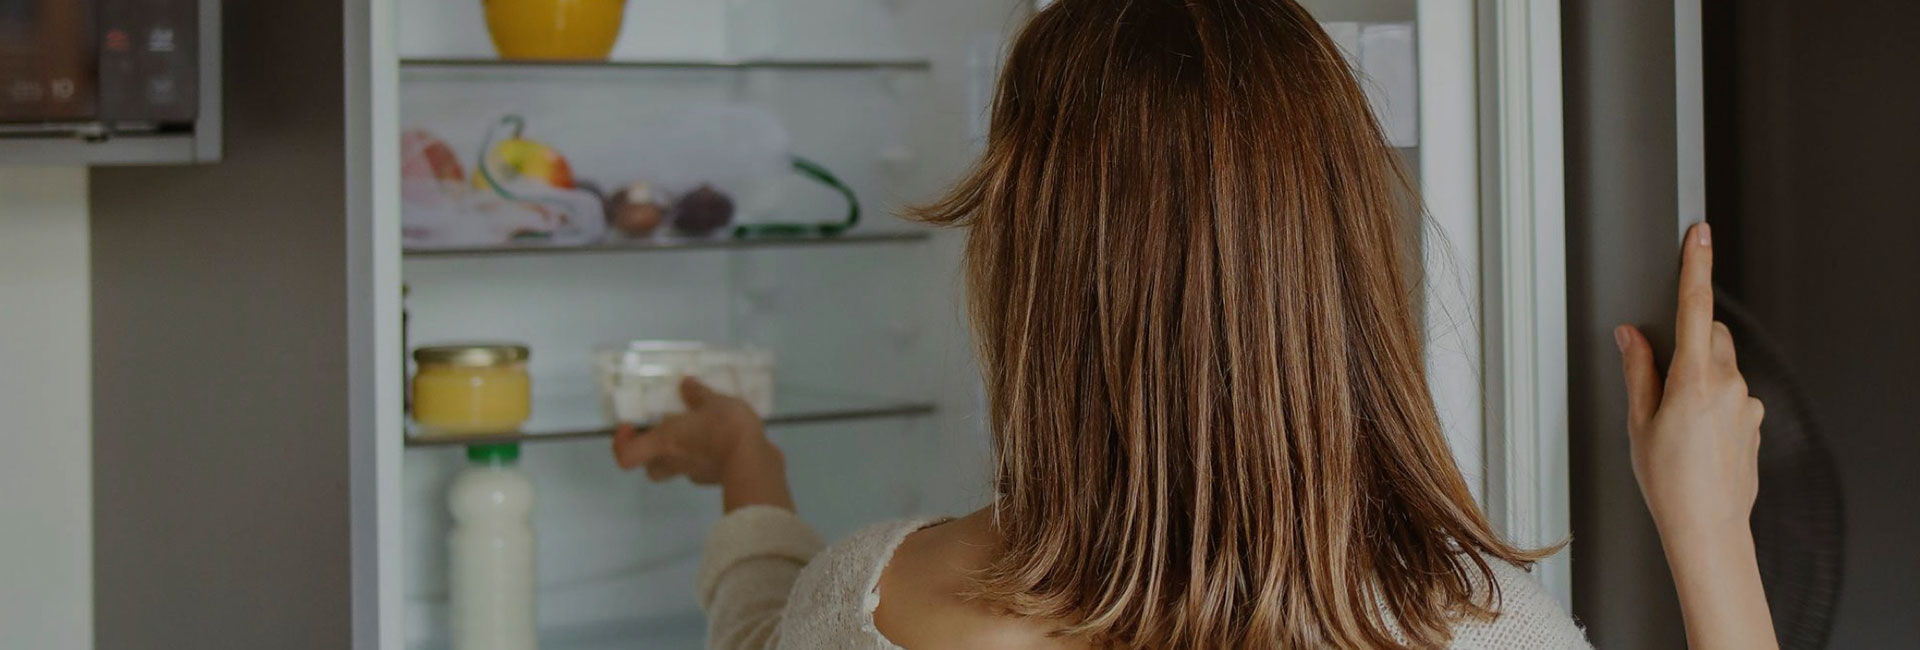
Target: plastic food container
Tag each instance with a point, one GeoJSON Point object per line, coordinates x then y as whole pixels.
{"type": "Point", "coordinates": [471, 389]}
{"type": "Point", "coordinates": [640, 380]}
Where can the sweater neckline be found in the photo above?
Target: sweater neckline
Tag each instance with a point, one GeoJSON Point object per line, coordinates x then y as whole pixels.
{"type": "Point", "coordinates": [870, 589]}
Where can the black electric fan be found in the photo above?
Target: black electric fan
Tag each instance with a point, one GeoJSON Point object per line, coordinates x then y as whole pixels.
{"type": "Point", "coordinates": [1798, 521]}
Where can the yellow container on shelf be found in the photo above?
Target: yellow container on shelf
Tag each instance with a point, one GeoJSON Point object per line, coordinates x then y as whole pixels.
{"type": "Point", "coordinates": [471, 389]}
{"type": "Point", "coordinates": [554, 29]}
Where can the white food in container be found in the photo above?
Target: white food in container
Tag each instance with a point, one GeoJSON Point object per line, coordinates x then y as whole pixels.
{"type": "Point", "coordinates": [640, 381]}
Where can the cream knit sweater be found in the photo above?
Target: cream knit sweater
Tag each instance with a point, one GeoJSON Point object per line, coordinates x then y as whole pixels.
{"type": "Point", "coordinates": [766, 585]}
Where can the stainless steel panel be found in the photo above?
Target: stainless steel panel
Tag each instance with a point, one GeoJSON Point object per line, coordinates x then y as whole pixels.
{"type": "Point", "coordinates": [1623, 193]}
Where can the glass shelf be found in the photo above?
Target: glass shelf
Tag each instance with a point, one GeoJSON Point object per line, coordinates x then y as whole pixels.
{"type": "Point", "coordinates": [577, 415]}
{"type": "Point", "coordinates": [528, 65]}
{"type": "Point", "coordinates": [659, 245]}
{"type": "Point", "coordinates": [688, 632]}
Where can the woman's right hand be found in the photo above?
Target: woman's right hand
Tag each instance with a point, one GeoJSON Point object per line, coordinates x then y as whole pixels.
{"type": "Point", "coordinates": [719, 440]}
{"type": "Point", "coordinates": [1696, 444]}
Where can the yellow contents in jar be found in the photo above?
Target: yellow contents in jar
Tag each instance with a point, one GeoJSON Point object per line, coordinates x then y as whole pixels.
{"type": "Point", "coordinates": [471, 390]}
{"type": "Point", "coordinates": [554, 29]}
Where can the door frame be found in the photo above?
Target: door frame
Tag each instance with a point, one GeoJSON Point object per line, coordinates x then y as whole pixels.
{"type": "Point", "coordinates": [1526, 281]}
{"type": "Point", "coordinates": [1493, 178]}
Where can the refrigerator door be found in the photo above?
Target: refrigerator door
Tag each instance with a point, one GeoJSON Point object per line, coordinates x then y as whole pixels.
{"type": "Point", "coordinates": [1635, 179]}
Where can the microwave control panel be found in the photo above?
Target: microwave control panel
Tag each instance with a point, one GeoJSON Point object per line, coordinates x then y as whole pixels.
{"type": "Point", "coordinates": [119, 65]}
{"type": "Point", "coordinates": [148, 61]}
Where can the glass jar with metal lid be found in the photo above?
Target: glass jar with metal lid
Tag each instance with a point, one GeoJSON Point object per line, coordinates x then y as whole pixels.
{"type": "Point", "coordinates": [471, 388]}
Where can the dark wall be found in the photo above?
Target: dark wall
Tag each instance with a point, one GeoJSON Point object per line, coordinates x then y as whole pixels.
{"type": "Point", "coordinates": [220, 438]}
{"type": "Point", "coordinates": [1817, 161]}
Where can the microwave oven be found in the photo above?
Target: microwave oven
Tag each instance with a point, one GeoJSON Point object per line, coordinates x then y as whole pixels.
{"type": "Point", "coordinates": [96, 68]}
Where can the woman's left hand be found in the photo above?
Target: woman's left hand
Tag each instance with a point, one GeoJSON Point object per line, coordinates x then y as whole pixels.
{"type": "Point", "coordinates": [1695, 441]}
{"type": "Point", "coordinates": [1696, 435]}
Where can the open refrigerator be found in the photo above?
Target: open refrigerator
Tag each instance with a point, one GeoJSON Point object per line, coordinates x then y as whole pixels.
{"type": "Point", "coordinates": [877, 401]}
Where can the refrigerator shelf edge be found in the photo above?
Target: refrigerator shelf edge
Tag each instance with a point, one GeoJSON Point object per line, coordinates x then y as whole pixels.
{"type": "Point", "coordinates": [892, 410]}
{"type": "Point", "coordinates": [668, 631]}
{"type": "Point", "coordinates": [522, 66]}
{"type": "Point", "coordinates": [663, 245]}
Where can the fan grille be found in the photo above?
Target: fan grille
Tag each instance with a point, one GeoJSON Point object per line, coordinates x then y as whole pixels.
{"type": "Point", "coordinates": [1798, 520]}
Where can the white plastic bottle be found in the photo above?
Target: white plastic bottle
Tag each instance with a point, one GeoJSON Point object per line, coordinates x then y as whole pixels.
{"type": "Point", "coordinates": [491, 552]}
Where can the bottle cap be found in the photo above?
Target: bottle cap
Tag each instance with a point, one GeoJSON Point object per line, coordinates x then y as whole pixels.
{"type": "Point", "coordinates": [504, 453]}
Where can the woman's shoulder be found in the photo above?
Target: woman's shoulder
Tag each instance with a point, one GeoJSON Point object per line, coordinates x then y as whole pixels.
{"type": "Point", "coordinates": [904, 581]}
{"type": "Point", "coordinates": [853, 565]}
{"type": "Point", "coordinates": [928, 600]}
{"type": "Point", "coordinates": [833, 600]}
{"type": "Point", "coordinates": [1529, 617]}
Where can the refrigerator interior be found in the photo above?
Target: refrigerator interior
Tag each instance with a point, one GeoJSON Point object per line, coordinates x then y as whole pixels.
{"type": "Point", "coordinates": [888, 94]}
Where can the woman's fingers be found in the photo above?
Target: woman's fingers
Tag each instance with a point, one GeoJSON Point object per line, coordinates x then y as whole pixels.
{"type": "Point", "coordinates": [694, 393]}
{"type": "Point", "coordinates": [623, 435]}
{"type": "Point", "coordinates": [661, 455]}
{"type": "Point", "coordinates": [1723, 346]}
{"type": "Point", "coordinates": [1643, 380]}
{"type": "Point", "coordinates": [669, 449]}
{"type": "Point", "coordinates": [1693, 338]}
{"type": "Point", "coordinates": [695, 443]}
{"type": "Point", "coordinates": [634, 448]}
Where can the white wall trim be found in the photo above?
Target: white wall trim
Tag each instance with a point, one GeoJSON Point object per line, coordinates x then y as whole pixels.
{"type": "Point", "coordinates": [1527, 487]}
{"type": "Point", "coordinates": [46, 410]}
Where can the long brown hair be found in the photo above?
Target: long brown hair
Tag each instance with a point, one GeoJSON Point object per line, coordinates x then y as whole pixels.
{"type": "Point", "coordinates": [1188, 269]}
